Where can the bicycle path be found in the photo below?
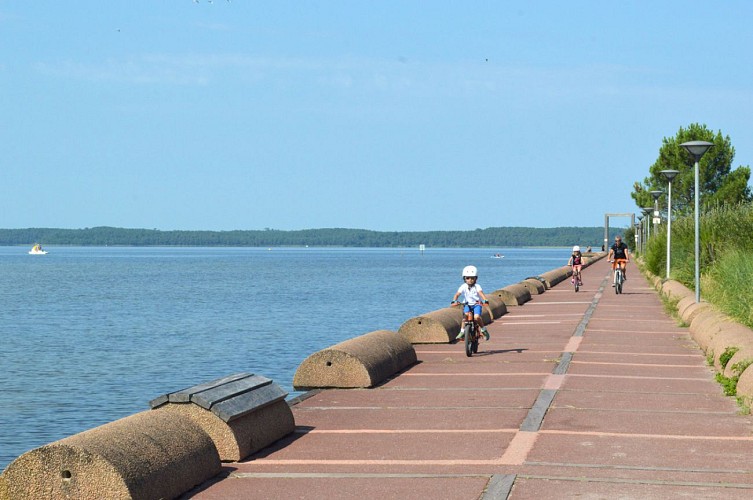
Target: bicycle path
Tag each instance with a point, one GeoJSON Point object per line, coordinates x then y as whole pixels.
{"type": "Point", "coordinates": [588, 395]}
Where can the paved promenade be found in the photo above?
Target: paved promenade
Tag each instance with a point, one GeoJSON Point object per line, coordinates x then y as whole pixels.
{"type": "Point", "coordinates": [576, 395]}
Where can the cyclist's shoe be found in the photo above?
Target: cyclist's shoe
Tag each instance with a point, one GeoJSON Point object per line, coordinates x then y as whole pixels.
{"type": "Point", "coordinates": [580, 283]}
{"type": "Point", "coordinates": [461, 335]}
{"type": "Point", "coordinates": [486, 333]}
{"type": "Point", "coordinates": [572, 280]}
{"type": "Point", "coordinates": [612, 285]}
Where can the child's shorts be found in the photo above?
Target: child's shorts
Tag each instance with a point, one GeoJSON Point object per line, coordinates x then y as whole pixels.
{"type": "Point", "coordinates": [476, 308]}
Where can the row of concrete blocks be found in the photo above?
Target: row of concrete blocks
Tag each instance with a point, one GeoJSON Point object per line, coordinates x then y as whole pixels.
{"type": "Point", "coordinates": [368, 360]}
{"type": "Point", "coordinates": [164, 452]}
{"type": "Point", "coordinates": [716, 334]}
{"type": "Point", "coordinates": [157, 454]}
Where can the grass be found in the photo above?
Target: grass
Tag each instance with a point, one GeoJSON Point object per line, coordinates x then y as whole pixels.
{"type": "Point", "coordinates": [726, 264]}
{"type": "Point", "coordinates": [728, 285]}
{"type": "Point", "coordinates": [727, 355]}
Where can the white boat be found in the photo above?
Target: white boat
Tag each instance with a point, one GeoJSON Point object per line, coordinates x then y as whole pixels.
{"type": "Point", "coordinates": [498, 256]}
{"type": "Point", "coordinates": [37, 250]}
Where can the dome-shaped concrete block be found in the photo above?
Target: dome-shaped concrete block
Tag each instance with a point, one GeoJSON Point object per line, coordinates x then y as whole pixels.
{"type": "Point", "coordinates": [147, 455]}
{"type": "Point", "coordinates": [731, 336]}
{"type": "Point", "coordinates": [243, 436]}
{"type": "Point", "coordinates": [742, 359]}
{"type": "Point", "coordinates": [513, 295]}
{"type": "Point", "coordinates": [693, 310]}
{"type": "Point", "coordinates": [436, 327]}
{"type": "Point", "coordinates": [497, 307]}
{"type": "Point", "coordinates": [534, 286]}
{"type": "Point", "coordinates": [555, 276]}
{"type": "Point", "coordinates": [674, 290]}
{"type": "Point", "coordinates": [360, 362]}
{"type": "Point", "coordinates": [3, 488]}
{"type": "Point", "coordinates": [688, 309]}
{"type": "Point", "coordinates": [745, 386]}
{"type": "Point", "coordinates": [705, 326]}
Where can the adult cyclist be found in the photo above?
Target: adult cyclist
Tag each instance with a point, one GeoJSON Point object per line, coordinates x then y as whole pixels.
{"type": "Point", "coordinates": [619, 256]}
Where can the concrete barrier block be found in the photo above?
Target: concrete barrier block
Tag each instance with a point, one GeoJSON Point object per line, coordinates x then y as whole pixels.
{"type": "Point", "coordinates": [555, 276]}
{"type": "Point", "coordinates": [534, 286]}
{"type": "Point", "coordinates": [496, 307]}
{"type": "Point", "coordinates": [4, 495]}
{"type": "Point", "coordinates": [741, 360]}
{"type": "Point", "coordinates": [242, 413]}
{"type": "Point", "coordinates": [705, 326]}
{"type": "Point", "coordinates": [688, 309]}
{"type": "Point", "coordinates": [436, 327]}
{"type": "Point", "coordinates": [674, 290]}
{"type": "Point", "coordinates": [146, 455]}
{"type": "Point", "coordinates": [730, 336]}
{"type": "Point", "coordinates": [513, 295]}
{"type": "Point", "coordinates": [244, 436]}
{"type": "Point", "coordinates": [745, 386]}
{"type": "Point", "coordinates": [360, 362]}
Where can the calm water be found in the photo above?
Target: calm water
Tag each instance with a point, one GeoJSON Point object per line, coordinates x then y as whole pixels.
{"type": "Point", "coordinates": [90, 335]}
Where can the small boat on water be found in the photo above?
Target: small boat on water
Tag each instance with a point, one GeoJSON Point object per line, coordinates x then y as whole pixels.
{"type": "Point", "coordinates": [37, 250]}
{"type": "Point", "coordinates": [498, 256]}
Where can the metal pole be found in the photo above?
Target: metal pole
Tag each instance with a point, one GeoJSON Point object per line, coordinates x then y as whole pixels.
{"type": "Point", "coordinates": [640, 242]}
{"type": "Point", "coordinates": [669, 225]}
{"type": "Point", "coordinates": [643, 234]}
{"type": "Point", "coordinates": [656, 211]}
{"type": "Point", "coordinates": [697, 237]}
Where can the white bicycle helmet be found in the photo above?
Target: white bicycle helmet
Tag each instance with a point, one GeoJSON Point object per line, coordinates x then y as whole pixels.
{"type": "Point", "coordinates": [576, 248]}
{"type": "Point", "coordinates": [470, 272]}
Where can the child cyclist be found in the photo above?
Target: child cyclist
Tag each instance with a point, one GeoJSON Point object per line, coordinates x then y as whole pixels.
{"type": "Point", "coordinates": [576, 261]}
{"type": "Point", "coordinates": [474, 297]}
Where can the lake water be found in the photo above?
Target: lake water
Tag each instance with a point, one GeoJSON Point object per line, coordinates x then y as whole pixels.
{"type": "Point", "coordinates": [90, 335]}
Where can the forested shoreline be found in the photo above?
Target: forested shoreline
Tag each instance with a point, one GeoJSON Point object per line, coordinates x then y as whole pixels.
{"type": "Point", "coordinates": [489, 237]}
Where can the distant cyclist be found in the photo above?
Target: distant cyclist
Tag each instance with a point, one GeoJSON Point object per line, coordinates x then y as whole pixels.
{"type": "Point", "coordinates": [576, 261]}
{"type": "Point", "coordinates": [619, 256]}
{"type": "Point", "coordinates": [474, 297]}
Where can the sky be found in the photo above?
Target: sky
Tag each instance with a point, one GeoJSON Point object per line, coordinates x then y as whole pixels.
{"type": "Point", "coordinates": [384, 115]}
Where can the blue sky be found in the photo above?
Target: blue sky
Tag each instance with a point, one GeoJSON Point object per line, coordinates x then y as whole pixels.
{"type": "Point", "coordinates": [388, 115]}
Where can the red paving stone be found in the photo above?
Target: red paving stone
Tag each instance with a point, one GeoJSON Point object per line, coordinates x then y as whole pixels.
{"type": "Point", "coordinates": [633, 412]}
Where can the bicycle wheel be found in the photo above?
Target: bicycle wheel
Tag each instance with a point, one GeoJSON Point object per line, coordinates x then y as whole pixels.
{"type": "Point", "coordinates": [474, 344]}
{"type": "Point", "coordinates": [468, 331]}
{"type": "Point", "coordinates": [577, 282]}
{"type": "Point", "coordinates": [618, 286]}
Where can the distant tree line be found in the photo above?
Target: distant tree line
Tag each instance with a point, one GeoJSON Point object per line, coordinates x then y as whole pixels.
{"type": "Point", "coordinates": [489, 237]}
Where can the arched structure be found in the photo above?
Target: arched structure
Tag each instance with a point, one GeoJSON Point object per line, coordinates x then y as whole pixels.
{"type": "Point", "coordinates": [606, 225]}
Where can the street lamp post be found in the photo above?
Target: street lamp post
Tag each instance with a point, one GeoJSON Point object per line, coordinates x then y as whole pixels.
{"type": "Point", "coordinates": [656, 195]}
{"type": "Point", "coordinates": [647, 211]}
{"type": "Point", "coordinates": [669, 175]}
{"type": "Point", "coordinates": [697, 149]}
{"type": "Point", "coordinates": [639, 247]}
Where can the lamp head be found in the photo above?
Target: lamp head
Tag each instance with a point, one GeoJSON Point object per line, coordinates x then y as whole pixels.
{"type": "Point", "coordinates": [670, 174]}
{"type": "Point", "coordinates": [697, 148]}
{"type": "Point", "coordinates": [656, 194]}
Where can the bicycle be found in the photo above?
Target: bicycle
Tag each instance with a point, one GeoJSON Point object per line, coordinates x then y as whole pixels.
{"type": "Point", "coordinates": [619, 275]}
{"type": "Point", "coordinates": [576, 278]}
{"type": "Point", "coordinates": [471, 333]}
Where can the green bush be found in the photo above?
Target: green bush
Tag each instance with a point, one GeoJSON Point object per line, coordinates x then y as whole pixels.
{"type": "Point", "coordinates": [726, 263]}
